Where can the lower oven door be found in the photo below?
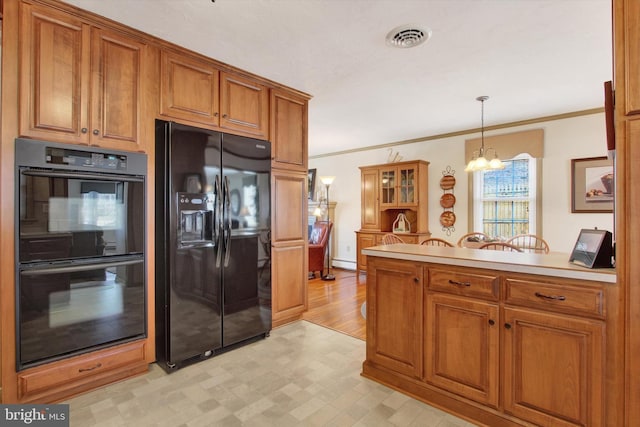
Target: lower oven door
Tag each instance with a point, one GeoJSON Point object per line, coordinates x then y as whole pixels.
{"type": "Point", "coordinates": [71, 308]}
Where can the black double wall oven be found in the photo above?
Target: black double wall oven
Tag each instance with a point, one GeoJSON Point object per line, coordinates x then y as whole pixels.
{"type": "Point", "coordinates": [80, 250]}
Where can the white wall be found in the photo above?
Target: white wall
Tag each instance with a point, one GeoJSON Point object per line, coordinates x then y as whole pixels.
{"type": "Point", "coordinates": [565, 139]}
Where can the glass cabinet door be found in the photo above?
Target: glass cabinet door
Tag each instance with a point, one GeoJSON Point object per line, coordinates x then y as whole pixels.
{"type": "Point", "coordinates": [407, 186]}
{"type": "Point", "coordinates": [388, 187]}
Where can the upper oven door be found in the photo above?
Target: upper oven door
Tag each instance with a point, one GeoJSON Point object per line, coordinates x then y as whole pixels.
{"type": "Point", "coordinates": [69, 215]}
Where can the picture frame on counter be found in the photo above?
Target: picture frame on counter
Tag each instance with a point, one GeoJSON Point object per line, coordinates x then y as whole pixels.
{"type": "Point", "coordinates": [311, 183]}
{"type": "Point", "coordinates": [592, 185]}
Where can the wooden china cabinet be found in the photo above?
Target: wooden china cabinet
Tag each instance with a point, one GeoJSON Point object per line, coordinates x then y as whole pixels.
{"type": "Point", "coordinates": [388, 190]}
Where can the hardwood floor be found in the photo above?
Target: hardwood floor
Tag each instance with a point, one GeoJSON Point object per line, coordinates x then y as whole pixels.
{"type": "Point", "coordinates": [337, 304]}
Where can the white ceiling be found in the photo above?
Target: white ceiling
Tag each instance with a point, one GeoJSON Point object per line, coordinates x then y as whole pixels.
{"type": "Point", "coordinates": [534, 58]}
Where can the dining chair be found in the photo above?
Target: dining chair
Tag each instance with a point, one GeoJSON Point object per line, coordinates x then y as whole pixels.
{"type": "Point", "coordinates": [390, 239]}
{"type": "Point", "coordinates": [434, 241]}
{"type": "Point", "coordinates": [476, 237]}
{"type": "Point", "coordinates": [530, 243]}
{"type": "Point", "coordinates": [501, 246]}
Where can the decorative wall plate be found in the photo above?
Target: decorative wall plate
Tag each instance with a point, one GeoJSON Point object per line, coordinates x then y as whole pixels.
{"type": "Point", "coordinates": [447, 182]}
{"type": "Point", "coordinates": [447, 218]}
{"type": "Point", "coordinates": [447, 200]}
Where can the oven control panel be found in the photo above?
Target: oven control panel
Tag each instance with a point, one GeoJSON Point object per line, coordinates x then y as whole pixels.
{"type": "Point", "coordinates": [70, 157]}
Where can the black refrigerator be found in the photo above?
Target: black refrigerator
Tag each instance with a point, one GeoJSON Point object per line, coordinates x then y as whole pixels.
{"type": "Point", "coordinates": [213, 242]}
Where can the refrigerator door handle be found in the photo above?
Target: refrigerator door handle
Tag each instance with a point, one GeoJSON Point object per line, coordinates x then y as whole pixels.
{"type": "Point", "coordinates": [227, 212]}
{"type": "Point", "coordinates": [218, 226]}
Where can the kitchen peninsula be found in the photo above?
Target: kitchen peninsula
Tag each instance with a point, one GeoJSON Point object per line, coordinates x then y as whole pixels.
{"type": "Point", "coordinates": [500, 338]}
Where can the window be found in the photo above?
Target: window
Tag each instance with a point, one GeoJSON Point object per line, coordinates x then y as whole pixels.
{"type": "Point", "coordinates": [504, 201]}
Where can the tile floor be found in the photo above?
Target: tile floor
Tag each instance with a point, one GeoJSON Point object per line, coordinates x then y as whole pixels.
{"type": "Point", "coordinates": [302, 375]}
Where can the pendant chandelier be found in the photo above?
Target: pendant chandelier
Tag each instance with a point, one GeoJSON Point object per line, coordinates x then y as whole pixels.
{"type": "Point", "coordinates": [478, 161]}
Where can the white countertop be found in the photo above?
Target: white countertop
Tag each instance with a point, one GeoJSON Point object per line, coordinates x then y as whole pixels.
{"type": "Point", "coordinates": [554, 264]}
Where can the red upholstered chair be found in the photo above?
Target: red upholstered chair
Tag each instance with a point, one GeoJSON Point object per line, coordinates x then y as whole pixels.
{"type": "Point", "coordinates": [318, 241]}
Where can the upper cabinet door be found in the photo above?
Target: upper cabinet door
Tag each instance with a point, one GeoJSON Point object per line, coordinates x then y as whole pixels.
{"type": "Point", "coordinates": [244, 105]}
{"type": "Point", "coordinates": [54, 82]}
{"type": "Point", "coordinates": [81, 84]}
{"type": "Point", "coordinates": [190, 89]}
{"type": "Point", "coordinates": [116, 70]}
{"type": "Point", "coordinates": [289, 130]}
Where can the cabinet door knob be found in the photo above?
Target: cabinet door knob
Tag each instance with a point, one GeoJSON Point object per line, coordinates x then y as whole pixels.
{"type": "Point", "coordinates": [215, 114]}
{"type": "Point", "coordinates": [492, 322]}
{"type": "Point", "coordinates": [507, 325]}
{"type": "Point", "coordinates": [84, 130]}
{"type": "Point", "coordinates": [224, 116]}
{"type": "Point", "coordinates": [95, 132]}
{"type": "Point", "coordinates": [415, 279]}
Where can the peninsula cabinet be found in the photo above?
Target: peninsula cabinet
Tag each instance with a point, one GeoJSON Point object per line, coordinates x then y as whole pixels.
{"type": "Point", "coordinates": [498, 347]}
{"type": "Point", "coordinates": [394, 316]}
{"type": "Point", "coordinates": [80, 82]}
{"type": "Point", "coordinates": [197, 90]}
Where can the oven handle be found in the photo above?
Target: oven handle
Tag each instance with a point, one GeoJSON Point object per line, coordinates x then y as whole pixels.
{"type": "Point", "coordinates": [82, 175]}
{"type": "Point", "coordinates": [74, 268]}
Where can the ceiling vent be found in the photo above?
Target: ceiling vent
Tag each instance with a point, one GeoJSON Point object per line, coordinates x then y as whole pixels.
{"type": "Point", "coordinates": [408, 36]}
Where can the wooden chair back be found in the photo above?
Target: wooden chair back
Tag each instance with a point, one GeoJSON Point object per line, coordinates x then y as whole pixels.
{"type": "Point", "coordinates": [530, 243]}
{"type": "Point", "coordinates": [390, 239]}
{"type": "Point", "coordinates": [476, 234]}
{"type": "Point", "coordinates": [501, 246]}
{"type": "Point", "coordinates": [434, 241]}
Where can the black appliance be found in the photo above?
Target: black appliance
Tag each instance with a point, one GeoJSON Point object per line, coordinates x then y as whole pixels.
{"type": "Point", "coordinates": [213, 245]}
{"type": "Point", "coordinates": [80, 245]}
{"type": "Point", "coordinates": [593, 249]}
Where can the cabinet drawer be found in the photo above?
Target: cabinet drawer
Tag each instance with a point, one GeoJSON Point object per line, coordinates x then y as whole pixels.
{"type": "Point", "coordinates": [459, 283]}
{"type": "Point", "coordinates": [563, 298]}
{"type": "Point", "coordinates": [76, 372]}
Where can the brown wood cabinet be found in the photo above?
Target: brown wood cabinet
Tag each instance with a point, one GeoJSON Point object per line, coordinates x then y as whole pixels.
{"type": "Point", "coordinates": [58, 380]}
{"type": "Point", "coordinates": [80, 83]}
{"type": "Point", "coordinates": [394, 316]}
{"type": "Point", "coordinates": [196, 90]}
{"type": "Point", "coordinates": [528, 349]}
{"type": "Point", "coordinates": [72, 76]}
{"type": "Point", "coordinates": [388, 190]}
{"type": "Point", "coordinates": [289, 116]}
{"type": "Point", "coordinates": [462, 347]}
{"type": "Point", "coordinates": [553, 368]}
{"type": "Point", "coordinates": [626, 32]}
{"type": "Point", "coordinates": [289, 245]}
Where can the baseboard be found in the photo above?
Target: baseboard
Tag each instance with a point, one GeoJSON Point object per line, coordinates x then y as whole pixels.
{"type": "Point", "coordinates": [344, 264]}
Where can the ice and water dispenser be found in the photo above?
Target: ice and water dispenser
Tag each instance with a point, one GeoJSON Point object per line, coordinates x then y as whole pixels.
{"type": "Point", "coordinates": [195, 220]}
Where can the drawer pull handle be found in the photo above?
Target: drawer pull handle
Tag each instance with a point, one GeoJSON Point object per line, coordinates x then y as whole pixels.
{"type": "Point", "coordinates": [455, 282]}
{"type": "Point", "coordinates": [553, 297]}
{"type": "Point", "coordinates": [99, 365]}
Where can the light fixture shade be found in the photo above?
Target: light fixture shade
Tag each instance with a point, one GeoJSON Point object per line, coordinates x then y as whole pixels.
{"type": "Point", "coordinates": [470, 166]}
{"type": "Point", "coordinates": [317, 211]}
{"type": "Point", "coordinates": [480, 162]}
{"type": "Point", "coordinates": [327, 180]}
{"type": "Point", "coordinates": [496, 163]}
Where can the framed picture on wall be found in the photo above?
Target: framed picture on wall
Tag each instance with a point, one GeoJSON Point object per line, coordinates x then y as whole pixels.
{"type": "Point", "coordinates": [311, 182]}
{"type": "Point", "coordinates": [592, 185]}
